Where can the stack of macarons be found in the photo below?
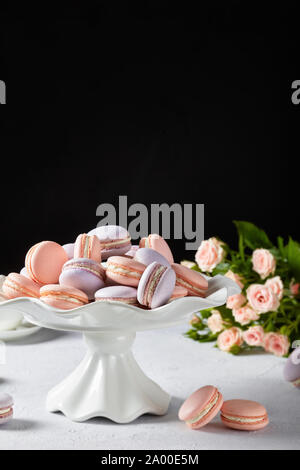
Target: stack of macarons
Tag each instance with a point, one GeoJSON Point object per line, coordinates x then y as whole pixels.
{"type": "Point", "coordinates": [204, 404]}
{"type": "Point", "coordinates": [103, 265]}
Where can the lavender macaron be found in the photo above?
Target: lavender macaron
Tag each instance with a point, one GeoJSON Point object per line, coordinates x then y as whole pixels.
{"type": "Point", "coordinates": [156, 285]}
{"type": "Point", "coordinates": [69, 249]}
{"type": "Point", "coordinates": [6, 408]}
{"type": "Point", "coordinates": [115, 240]}
{"type": "Point", "coordinates": [148, 256]}
{"type": "Point", "coordinates": [132, 252]}
{"type": "Point", "coordinates": [124, 294]}
{"type": "Point", "coordinates": [84, 274]}
{"type": "Point", "coordinates": [291, 370]}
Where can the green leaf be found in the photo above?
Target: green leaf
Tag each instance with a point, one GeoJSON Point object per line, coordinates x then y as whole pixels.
{"type": "Point", "coordinates": [235, 350]}
{"type": "Point", "coordinates": [252, 236]}
{"type": "Point", "coordinates": [207, 338]}
{"type": "Point", "coordinates": [221, 268]}
{"type": "Point", "coordinates": [205, 313]}
{"type": "Point", "coordinates": [281, 247]}
{"type": "Point", "coordinates": [293, 257]}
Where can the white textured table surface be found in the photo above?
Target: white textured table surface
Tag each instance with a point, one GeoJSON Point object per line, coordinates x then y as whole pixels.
{"type": "Point", "coordinates": [34, 365]}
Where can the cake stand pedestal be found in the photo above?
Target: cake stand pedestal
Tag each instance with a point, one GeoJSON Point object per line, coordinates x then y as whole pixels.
{"type": "Point", "coordinates": [108, 383]}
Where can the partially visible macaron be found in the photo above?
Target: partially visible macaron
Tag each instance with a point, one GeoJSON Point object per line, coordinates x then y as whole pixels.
{"type": "Point", "coordinates": [147, 256]}
{"type": "Point", "coordinates": [131, 253]}
{"type": "Point", "coordinates": [84, 274]}
{"type": "Point", "coordinates": [2, 279]}
{"type": "Point", "coordinates": [178, 293]}
{"type": "Point", "coordinates": [6, 408]}
{"type": "Point", "coordinates": [124, 294]}
{"type": "Point", "coordinates": [291, 369]}
{"type": "Point", "coordinates": [124, 270]}
{"type": "Point", "coordinates": [88, 246]}
{"type": "Point", "coordinates": [201, 407]}
{"type": "Point", "coordinates": [16, 285]}
{"type": "Point", "coordinates": [3, 297]}
{"type": "Point", "coordinates": [156, 285]}
{"type": "Point", "coordinates": [44, 262]}
{"type": "Point", "coordinates": [244, 415]}
{"type": "Point", "coordinates": [193, 281]}
{"type": "Point", "coordinates": [157, 243]}
{"type": "Point", "coordinates": [115, 240]}
{"type": "Point", "coordinates": [63, 297]}
{"type": "Point", "coordinates": [69, 249]}
{"type": "Point", "coordinates": [24, 272]}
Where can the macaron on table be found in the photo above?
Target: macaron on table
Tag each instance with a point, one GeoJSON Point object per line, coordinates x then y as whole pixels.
{"type": "Point", "coordinates": [108, 382]}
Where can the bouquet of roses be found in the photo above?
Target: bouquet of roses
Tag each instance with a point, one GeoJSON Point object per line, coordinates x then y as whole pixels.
{"type": "Point", "coordinates": [267, 312]}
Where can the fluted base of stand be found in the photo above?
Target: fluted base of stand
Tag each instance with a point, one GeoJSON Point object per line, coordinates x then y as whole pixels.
{"type": "Point", "coordinates": [108, 383]}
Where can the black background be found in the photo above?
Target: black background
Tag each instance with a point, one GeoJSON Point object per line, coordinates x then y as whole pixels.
{"type": "Point", "coordinates": [162, 104]}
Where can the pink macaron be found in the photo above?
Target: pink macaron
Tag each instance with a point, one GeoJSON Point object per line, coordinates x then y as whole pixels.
{"type": "Point", "coordinates": [88, 246]}
{"type": "Point", "coordinates": [124, 270]}
{"type": "Point", "coordinates": [201, 407]}
{"type": "Point", "coordinates": [115, 240]}
{"type": "Point", "coordinates": [6, 408]}
{"type": "Point", "coordinates": [157, 243]}
{"type": "Point", "coordinates": [178, 293]}
{"type": "Point", "coordinates": [124, 294]}
{"type": "Point", "coordinates": [63, 297]}
{"type": "Point", "coordinates": [193, 281]}
{"type": "Point", "coordinates": [84, 274]}
{"type": "Point", "coordinates": [44, 262]}
{"type": "Point", "coordinates": [16, 285]}
{"type": "Point", "coordinates": [244, 415]}
{"type": "Point", "coordinates": [156, 285]}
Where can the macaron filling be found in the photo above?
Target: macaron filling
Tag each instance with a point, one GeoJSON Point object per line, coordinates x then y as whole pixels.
{"type": "Point", "coordinates": [57, 296]}
{"type": "Point", "coordinates": [190, 287]}
{"type": "Point", "coordinates": [85, 267]}
{"type": "Point", "coordinates": [6, 412]}
{"type": "Point", "coordinates": [113, 243]}
{"type": "Point", "coordinates": [120, 270]}
{"type": "Point", "coordinates": [241, 419]}
{"type": "Point", "coordinates": [205, 411]}
{"type": "Point", "coordinates": [152, 283]}
{"type": "Point", "coordinates": [29, 264]}
{"type": "Point", "coordinates": [86, 247]}
{"type": "Point", "coordinates": [18, 288]}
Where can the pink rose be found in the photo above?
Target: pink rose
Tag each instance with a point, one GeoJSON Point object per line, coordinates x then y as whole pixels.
{"type": "Point", "coordinates": [263, 262]}
{"type": "Point", "coordinates": [228, 338]}
{"type": "Point", "coordinates": [276, 285]}
{"type": "Point", "coordinates": [276, 343]}
{"type": "Point", "coordinates": [236, 278]}
{"type": "Point", "coordinates": [294, 288]}
{"type": "Point", "coordinates": [245, 315]}
{"type": "Point", "coordinates": [254, 336]}
{"type": "Point", "coordinates": [215, 322]}
{"type": "Point", "coordinates": [209, 254]}
{"type": "Point", "coordinates": [262, 299]}
{"type": "Point", "coordinates": [236, 301]}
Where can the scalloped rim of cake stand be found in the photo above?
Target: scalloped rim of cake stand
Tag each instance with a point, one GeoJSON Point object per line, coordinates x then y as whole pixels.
{"type": "Point", "coordinates": [113, 316]}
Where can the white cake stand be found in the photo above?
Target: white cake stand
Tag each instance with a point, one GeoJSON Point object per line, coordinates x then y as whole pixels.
{"type": "Point", "coordinates": [108, 382]}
